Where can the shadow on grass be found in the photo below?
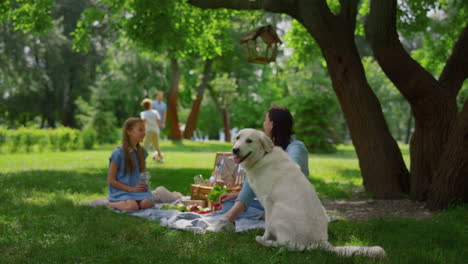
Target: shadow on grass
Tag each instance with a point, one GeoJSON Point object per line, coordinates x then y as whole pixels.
{"type": "Point", "coordinates": [339, 189]}
{"type": "Point", "coordinates": [92, 181]}
{"type": "Point", "coordinates": [197, 147]}
{"type": "Point", "coordinates": [88, 183]}
{"type": "Point", "coordinates": [176, 179]}
{"type": "Point", "coordinates": [349, 152]}
{"type": "Point", "coordinates": [184, 146]}
{"type": "Point", "coordinates": [55, 181]}
{"type": "Point", "coordinates": [62, 230]}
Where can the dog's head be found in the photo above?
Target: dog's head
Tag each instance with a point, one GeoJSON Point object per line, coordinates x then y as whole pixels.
{"type": "Point", "coordinates": [250, 145]}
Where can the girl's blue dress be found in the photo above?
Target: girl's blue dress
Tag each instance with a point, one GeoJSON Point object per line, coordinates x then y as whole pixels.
{"type": "Point", "coordinates": [127, 178]}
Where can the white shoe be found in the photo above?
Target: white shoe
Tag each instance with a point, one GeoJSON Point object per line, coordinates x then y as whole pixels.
{"type": "Point", "coordinates": [222, 225]}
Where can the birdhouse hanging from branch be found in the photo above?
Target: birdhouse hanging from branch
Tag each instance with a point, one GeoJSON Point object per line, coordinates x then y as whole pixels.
{"type": "Point", "coordinates": [263, 52]}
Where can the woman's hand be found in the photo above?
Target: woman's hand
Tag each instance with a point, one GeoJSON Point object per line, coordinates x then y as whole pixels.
{"type": "Point", "coordinates": [140, 187]}
{"type": "Point", "coordinates": [227, 196]}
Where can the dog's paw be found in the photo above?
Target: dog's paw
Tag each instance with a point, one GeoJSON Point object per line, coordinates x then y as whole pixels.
{"type": "Point", "coordinates": [259, 239]}
{"type": "Point", "coordinates": [266, 242]}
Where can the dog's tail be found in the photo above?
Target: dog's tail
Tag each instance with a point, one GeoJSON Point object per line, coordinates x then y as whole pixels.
{"type": "Point", "coordinates": [348, 251]}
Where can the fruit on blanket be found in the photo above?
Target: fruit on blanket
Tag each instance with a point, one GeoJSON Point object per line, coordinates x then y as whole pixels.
{"type": "Point", "coordinates": [204, 211]}
{"type": "Point", "coordinates": [195, 208]}
{"type": "Point", "coordinates": [181, 207]}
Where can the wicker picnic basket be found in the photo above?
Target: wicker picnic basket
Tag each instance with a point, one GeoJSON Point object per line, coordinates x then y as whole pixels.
{"type": "Point", "coordinates": [200, 192]}
{"type": "Point", "coordinates": [230, 176]}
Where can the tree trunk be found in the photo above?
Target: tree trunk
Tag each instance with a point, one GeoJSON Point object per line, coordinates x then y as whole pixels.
{"type": "Point", "coordinates": [450, 181]}
{"type": "Point", "coordinates": [172, 99]}
{"type": "Point", "coordinates": [192, 119]}
{"type": "Point", "coordinates": [65, 113]}
{"type": "Point", "coordinates": [47, 107]}
{"type": "Point", "coordinates": [433, 104]}
{"type": "Point", "coordinates": [224, 111]}
{"type": "Point", "coordinates": [383, 170]}
{"type": "Point", "coordinates": [227, 125]}
{"type": "Point", "coordinates": [433, 119]}
{"type": "Point", "coordinates": [409, 126]}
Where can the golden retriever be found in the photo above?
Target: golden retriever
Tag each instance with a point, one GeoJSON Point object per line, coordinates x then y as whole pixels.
{"type": "Point", "coordinates": [294, 216]}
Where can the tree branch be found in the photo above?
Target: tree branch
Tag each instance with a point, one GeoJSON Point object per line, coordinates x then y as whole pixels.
{"type": "Point", "coordinates": [275, 6]}
{"type": "Point", "coordinates": [413, 81]}
{"type": "Point", "coordinates": [456, 68]}
{"type": "Point", "coordinates": [349, 12]}
{"type": "Point", "coordinates": [314, 14]}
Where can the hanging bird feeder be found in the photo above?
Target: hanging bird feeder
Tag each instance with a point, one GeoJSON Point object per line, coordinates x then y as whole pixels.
{"type": "Point", "coordinates": [264, 52]}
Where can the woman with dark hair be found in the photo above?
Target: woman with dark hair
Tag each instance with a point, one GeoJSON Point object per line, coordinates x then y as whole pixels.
{"type": "Point", "coordinates": [278, 125]}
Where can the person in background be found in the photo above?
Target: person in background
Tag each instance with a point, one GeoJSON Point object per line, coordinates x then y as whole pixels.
{"type": "Point", "coordinates": [160, 106]}
{"type": "Point", "coordinates": [126, 162]}
{"type": "Point", "coordinates": [152, 121]}
{"type": "Point", "coordinates": [278, 125]}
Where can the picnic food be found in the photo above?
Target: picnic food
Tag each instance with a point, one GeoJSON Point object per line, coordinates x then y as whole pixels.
{"type": "Point", "coordinates": [186, 208]}
{"type": "Point", "coordinates": [216, 193]}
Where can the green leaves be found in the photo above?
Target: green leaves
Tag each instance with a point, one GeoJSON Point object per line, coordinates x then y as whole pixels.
{"type": "Point", "coordinates": [28, 15]}
{"type": "Point", "coordinates": [166, 25]}
{"type": "Point", "coordinates": [305, 47]}
{"type": "Point", "coordinates": [83, 31]}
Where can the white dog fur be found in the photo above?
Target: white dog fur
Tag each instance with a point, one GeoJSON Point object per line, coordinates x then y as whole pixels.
{"type": "Point", "coordinates": [294, 216]}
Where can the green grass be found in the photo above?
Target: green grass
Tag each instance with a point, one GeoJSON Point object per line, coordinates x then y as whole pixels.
{"type": "Point", "coordinates": [44, 217]}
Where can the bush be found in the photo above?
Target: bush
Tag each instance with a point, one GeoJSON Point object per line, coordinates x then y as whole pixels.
{"type": "Point", "coordinates": [14, 141]}
{"type": "Point", "coordinates": [104, 124]}
{"type": "Point", "coordinates": [28, 140]}
{"type": "Point", "coordinates": [75, 142]}
{"type": "Point", "coordinates": [54, 139]}
{"type": "Point", "coordinates": [317, 120]}
{"type": "Point", "coordinates": [3, 135]}
{"type": "Point", "coordinates": [62, 139]}
{"type": "Point", "coordinates": [42, 140]}
{"type": "Point", "coordinates": [89, 137]}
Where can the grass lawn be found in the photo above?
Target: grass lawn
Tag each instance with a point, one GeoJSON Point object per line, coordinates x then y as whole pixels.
{"type": "Point", "coordinates": [44, 217]}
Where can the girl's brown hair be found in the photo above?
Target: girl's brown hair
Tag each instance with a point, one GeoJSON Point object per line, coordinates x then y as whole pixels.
{"type": "Point", "coordinates": [129, 124]}
{"type": "Point", "coordinates": [282, 126]}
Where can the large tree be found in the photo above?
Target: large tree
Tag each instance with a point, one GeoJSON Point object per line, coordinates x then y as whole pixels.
{"type": "Point", "coordinates": [438, 149]}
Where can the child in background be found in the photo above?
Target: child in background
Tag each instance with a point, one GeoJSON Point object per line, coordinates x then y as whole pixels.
{"type": "Point", "coordinates": [152, 121]}
{"type": "Point", "coordinates": [127, 161]}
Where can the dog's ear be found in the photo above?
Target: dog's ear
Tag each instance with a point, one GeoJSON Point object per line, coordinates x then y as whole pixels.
{"type": "Point", "coordinates": [266, 142]}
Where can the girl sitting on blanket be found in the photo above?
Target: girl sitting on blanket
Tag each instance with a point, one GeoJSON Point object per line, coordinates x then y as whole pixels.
{"type": "Point", "coordinates": [126, 162]}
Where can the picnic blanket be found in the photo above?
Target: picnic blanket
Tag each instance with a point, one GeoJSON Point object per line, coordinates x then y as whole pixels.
{"type": "Point", "coordinates": [197, 223]}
